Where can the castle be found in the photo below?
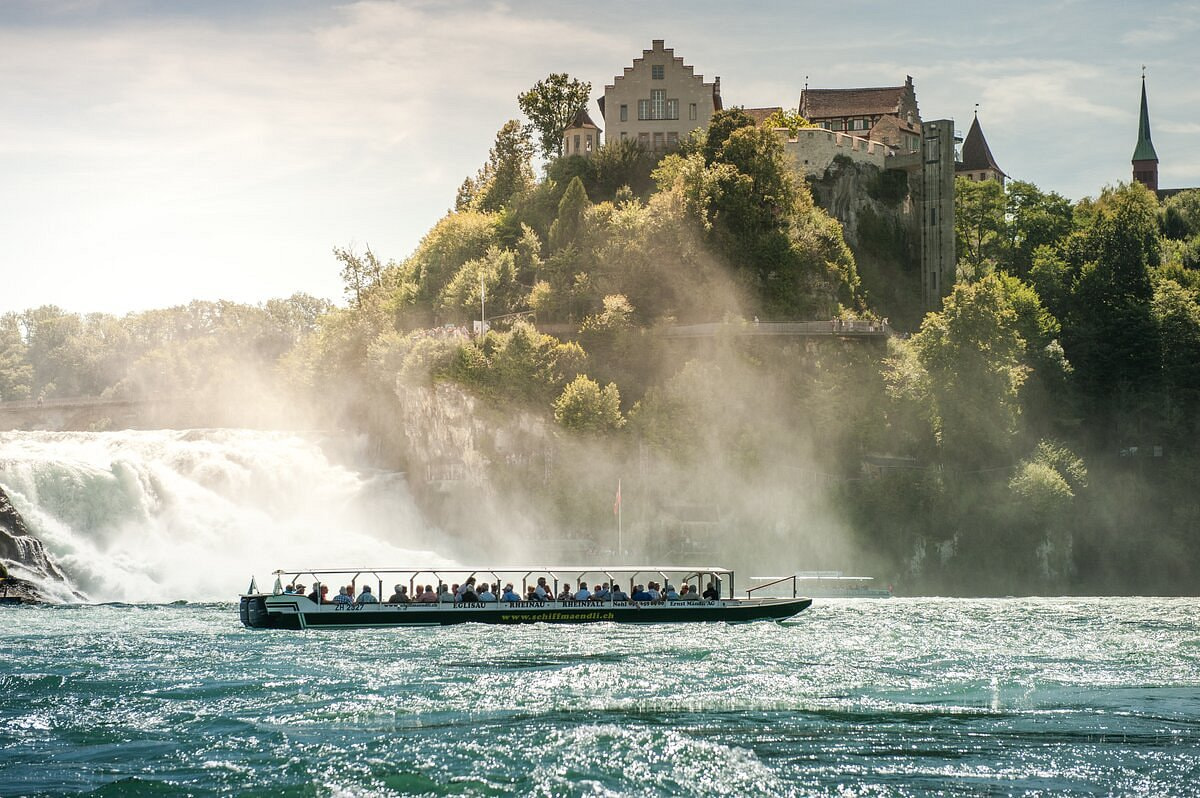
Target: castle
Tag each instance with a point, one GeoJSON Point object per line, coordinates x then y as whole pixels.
{"type": "Point", "coordinates": [659, 100]}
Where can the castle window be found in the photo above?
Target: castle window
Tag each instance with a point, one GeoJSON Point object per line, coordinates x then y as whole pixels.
{"type": "Point", "coordinates": [837, 124]}
{"type": "Point", "coordinates": [656, 72]}
{"type": "Point", "coordinates": [589, 142]}
{"type": "Point", "coordinates": [692, 111]}
{"type": "Point", "coordinates": [672, 139]}
{"type": "Point", "coordinates": [643, 109]}
{"type": "Point", "coordinates": [624, 113]}
{"type": "Point", "coordinates": [658, 104]}
{"type": "Point", "coordinates": [672, 109]}
{"type": "Point", "coordinates": [577, 143]}
{"type": "Point", "coordinates": [658, 142]}
{"type": "Point", "coordinates": [644, 140]}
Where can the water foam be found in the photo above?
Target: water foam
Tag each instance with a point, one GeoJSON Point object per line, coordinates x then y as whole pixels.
{"type": "Point", "coordinates": [165, 515]}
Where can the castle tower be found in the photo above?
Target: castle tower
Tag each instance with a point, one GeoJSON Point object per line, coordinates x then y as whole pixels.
{"type": "Point", "coordinates": [1145, 159]}
{"type": "Point", "coordinates": [977, 161]}
{"type": "Point", "coordinates": [582, 136]}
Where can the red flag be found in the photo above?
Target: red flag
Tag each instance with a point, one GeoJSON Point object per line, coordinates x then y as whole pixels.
{"type": "Point", "coordinates": [617, 503]}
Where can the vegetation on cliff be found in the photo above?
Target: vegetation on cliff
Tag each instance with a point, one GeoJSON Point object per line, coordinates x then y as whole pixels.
{"type": "Point", "coordinates": [1035, 434]}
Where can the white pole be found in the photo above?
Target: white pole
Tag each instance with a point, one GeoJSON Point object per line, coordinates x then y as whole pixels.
{"type": "Point", "coordinates": [482, 309]}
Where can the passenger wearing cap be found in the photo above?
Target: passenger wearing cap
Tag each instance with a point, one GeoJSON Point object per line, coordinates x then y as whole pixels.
{"type": "Point", "coordinates": [508, 594]}
{"type": "Point", "coordinates": [367, 597]}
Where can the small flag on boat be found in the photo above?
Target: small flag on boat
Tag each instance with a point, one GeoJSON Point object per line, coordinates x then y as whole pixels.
{"type": "Point", "coordinates": [253, 586]}
{"type": "Point", "coordinates": [617, 503]}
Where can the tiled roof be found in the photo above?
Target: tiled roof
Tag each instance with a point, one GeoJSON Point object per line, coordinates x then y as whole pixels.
{"type": "Point", "coordinates": [759, 115]}
{"type": "Point", "coordinates": [976, 155]}
{"type": "Point", "coordinates": [583, 120]}
{"type": "Point", "coordinates": [822, 103]}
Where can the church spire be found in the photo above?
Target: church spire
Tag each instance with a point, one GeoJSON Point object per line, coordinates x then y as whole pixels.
{"type": "Point", "coordinates": [1145, 159]}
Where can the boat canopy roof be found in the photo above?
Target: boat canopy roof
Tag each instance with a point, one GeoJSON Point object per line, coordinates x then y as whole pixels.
{"type": "Point", "coordinates": [514, 569]}
{"type": "Point", "coordinates": [817, 576]}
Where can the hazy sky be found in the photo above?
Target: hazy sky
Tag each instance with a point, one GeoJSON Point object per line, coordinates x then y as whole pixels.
{"type": "Point", "coordinates": [153, 152]}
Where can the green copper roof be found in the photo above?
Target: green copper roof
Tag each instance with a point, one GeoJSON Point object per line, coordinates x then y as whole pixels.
{"type": "Point", "coordinates": [1145, 148]}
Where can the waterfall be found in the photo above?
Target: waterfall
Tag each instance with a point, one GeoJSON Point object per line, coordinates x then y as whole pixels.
{"type": "Point", "coordinates": [166, 515]}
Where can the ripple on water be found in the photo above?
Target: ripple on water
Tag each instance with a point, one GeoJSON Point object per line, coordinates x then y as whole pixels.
{"type": "Point", "coordinates": [902, 697]}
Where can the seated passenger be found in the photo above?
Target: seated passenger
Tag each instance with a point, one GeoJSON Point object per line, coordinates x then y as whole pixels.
{"type": "Point", "coordinates": [444, 594]}
{"type": "Point", "coordinates": [618, 594]}
{"type": "Point", "coordinates": [713, 591]}
{"type": "Point", "coordinates": [366, 596]}
{"type": "Point", "coordinates": [400, 596]}
{"type": "Point", "coordinates": [641, 594]}
{"type": "Point", "coordinates": [583, 594]}
{"type": "Point", "coordinates": [601, 593]}
{"type": "Point", "coordinates": [299, 589]}
{"type": "Point", "coordinates": [686, 594]}
{"type": "Point", "coordinates": [669, 593]}
{"type": "Point", "coordinates": [342, 598]}
{"type": "Point", "coordinates": [428, 596]}
{"type": "Point", "coordinates": [468, 595]}
{"type": "Point", "coordinates": [290, 590]}
{"type": "Point", "coordinates": [508, 594]}
{"type": "Point", "coordinates": [652, 589]}
{"type": "Point", "coordinates": [566, 594]}
{"type": "Point", "coordinates": [543, 590]}
{"type": "Point", "coordinates": [485, 593]}
{"type": "Point", "coordinates": [315, 595]}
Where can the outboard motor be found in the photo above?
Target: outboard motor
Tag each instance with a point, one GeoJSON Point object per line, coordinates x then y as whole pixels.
{"type": "Point", "coordinates": [253, 610]}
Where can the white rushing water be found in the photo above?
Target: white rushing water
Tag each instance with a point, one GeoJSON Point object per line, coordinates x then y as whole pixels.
{"type": "Point", "coordinates": [166, 515]}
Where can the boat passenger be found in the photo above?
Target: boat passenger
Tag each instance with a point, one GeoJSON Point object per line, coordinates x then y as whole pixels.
{"type": "Point", "coordinates": [367, 597]}
{"type": "Point", "coordinates": [428, 596]}
{"type": "Point", "coordinates": [685, 593]}
{"type": "Point", "coordinates": [444, 594]}
{"type": "Point", "coordinates": [652, 589]}
{"type": "Point", "coordinates": [486, 594]}
{"type": "Point", "coordinates": [342, 598]}
{"type": "Point", "coordinates": [315, 595]}
{"type": "Point", "coordinates": [669, 593]}
{"type": "Point", "coordinates": [641, 594]}
{"type": "Point", "coordinates": [468, 595]}
{"type": "Point", "coordinates": [713, 591]}
{"type": "Point", "coordinates": [543, 590]}
{"type": "Point", "coordinates": [459, 590]}
{"type": "Point", "coordinates": [290, 590]}
{"type": "Point", "coordinates": [400, 596]}
{"type": "Point", "coordinates": [601, 593]}
{"type": "Point", "coordinates": [565, 594]}
{"type": "Point", "coordinates": [618, 594]}
{"type": "Point", "coordinates": [508, 594]}
{"type": "Point", "coordinates": [583, 594]}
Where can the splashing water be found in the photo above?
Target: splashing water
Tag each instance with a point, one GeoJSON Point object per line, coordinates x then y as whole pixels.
{"type": "Point", "coordinates": [166, 515]}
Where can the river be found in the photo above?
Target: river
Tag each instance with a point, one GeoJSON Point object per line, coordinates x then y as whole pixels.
{"type": "Point", "coordinates": [852, 697]}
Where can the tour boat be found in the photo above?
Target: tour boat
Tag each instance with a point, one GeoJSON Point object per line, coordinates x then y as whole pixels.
{"type": "Point", "coordinates": [280, 609]}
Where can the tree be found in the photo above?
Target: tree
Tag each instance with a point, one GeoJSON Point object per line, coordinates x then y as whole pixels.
{"type": "Point", "coordinates": [585, 407]}
{"type": "Point", "coordinates": [506, 174]}
{"type": "Point", "coordinates": [551, 105]}
{"type": "Point", "coordinates": [720, 128]}
{"type": "Point", "coordinates": [979, 226]}
{"type": "Point", "coordinates": [359, 272]}
{"type": "Point", "coordinates": [790, 121]}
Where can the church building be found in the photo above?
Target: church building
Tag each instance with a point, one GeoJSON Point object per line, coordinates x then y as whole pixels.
{"type": "Point", "coordinates": [1145, 159]}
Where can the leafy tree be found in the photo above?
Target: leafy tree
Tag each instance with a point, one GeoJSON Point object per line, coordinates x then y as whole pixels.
{"type": "Point", "coordinates": [720, 128]}
{"type": "Point", "coordinates": [979, 226]}
{"type": "Point", "coordinates": [572, 210]}
{"type": "Point", "coordinates": [16, 373]}
{"type": "Point", "coordinates": [585, 407]}
{"type": "Point", "coordinates": [1034, 219]}
{"type": "Point", "coordinates": [788, 120]}
{"type": "Point", "coordinates": [359, 272]}
{"type": "Point", "coordinates": [551, 105]}
{"type": "Point", "coordinates": [506, 174]}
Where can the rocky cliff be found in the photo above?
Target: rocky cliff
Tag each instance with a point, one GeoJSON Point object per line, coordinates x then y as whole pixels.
{"type": "Point", "coordinates": [23, 557]}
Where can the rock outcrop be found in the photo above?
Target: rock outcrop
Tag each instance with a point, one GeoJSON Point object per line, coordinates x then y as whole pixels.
{"type": "Point", "coordinates": [25, 561]}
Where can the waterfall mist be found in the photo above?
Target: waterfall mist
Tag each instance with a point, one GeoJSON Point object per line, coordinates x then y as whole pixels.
{"type": "Point", "coordinates": [166, 515]}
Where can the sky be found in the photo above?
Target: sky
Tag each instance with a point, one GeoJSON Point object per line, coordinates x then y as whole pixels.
{"type": "Point", "coordinates": [155, 152]}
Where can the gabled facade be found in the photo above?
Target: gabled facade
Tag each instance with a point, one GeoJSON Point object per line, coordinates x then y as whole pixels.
{"type": "Point", "coordinates": [887, 114]}
{"type": "Point", "coordinates": [658, 101]}
{"type": "Point", "coordinates": [582, 136]}
{"type": "Point", "coordinates": [977, 162]}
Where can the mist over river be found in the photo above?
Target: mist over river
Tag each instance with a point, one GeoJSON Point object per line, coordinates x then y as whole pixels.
{"type": "Point", "coordinates": [852, 697]}
{"type": "Point", "coordinates": [165, 515]}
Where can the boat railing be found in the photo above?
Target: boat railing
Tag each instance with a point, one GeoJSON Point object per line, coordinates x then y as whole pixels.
{"type": "Point", "coordinates": [774, 582]}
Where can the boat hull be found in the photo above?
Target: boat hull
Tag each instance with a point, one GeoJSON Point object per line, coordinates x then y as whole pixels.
{"type": "Point", "coordinates": [298, 612]}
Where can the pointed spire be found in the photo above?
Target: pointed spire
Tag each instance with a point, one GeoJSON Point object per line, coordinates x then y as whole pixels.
{"type": "Point", "coordinates": [1145, 147]}
{"type": "Point", "coordinates": [976, 154]}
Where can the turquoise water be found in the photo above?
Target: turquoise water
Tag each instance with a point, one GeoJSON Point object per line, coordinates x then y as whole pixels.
{"type": "Point", "coordinates": [896, 697]}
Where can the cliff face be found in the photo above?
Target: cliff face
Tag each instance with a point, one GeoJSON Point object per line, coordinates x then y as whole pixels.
{"type": "Point", "coordinates": [877, 210]}
{"type": "Point", "coordinates": [23, 556]}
